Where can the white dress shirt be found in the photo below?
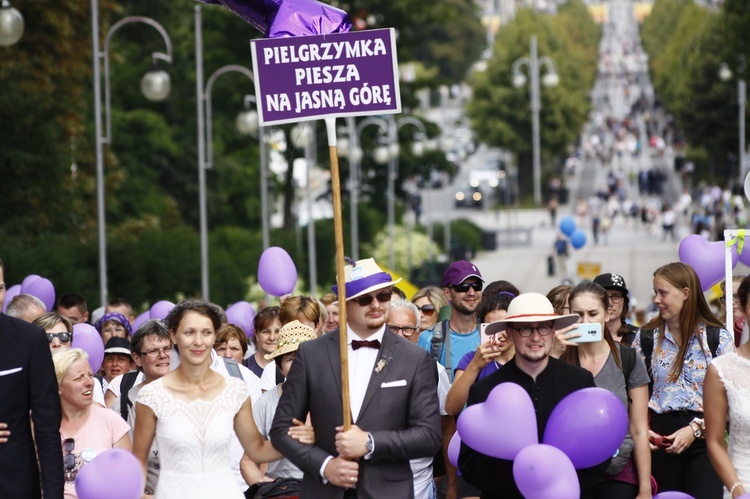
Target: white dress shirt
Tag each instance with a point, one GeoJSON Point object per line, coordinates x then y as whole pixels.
{"type": "Point", "coordinates": [361, 365]}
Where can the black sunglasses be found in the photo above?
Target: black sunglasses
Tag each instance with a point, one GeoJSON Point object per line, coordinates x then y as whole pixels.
{"type": "Point", "coordinates": [69, 460]}
{"type": "Point", "coordinates": [464, 287]}
{"type": "Point", "coordinates": [365, 301]}
{"type": "Point", "coordinates": [63, 337]}
{"type": "Point", "coordinates": [427, 310]}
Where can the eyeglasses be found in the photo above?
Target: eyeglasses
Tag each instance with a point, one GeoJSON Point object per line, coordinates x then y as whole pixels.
{"type": "Point", "coordinates": [155, 353]}
{"type": "Point", "coordinates": [527, 331]}
{"type": "Point", "coordinates": [69, 460]}
{"type": "Point", "coordinates": [406, 330]}
{"type": "Point", "coordinates": [427, 310]}
{"type": "Point", "coordinates": [615, 297]}
{"type": "Point", "coordinates": [464, 287]}
{"type": "Point", "coordinates": [735, 300]}
{"type": "Point", "coordinates": [63, 337]}
{"type": "Point", "coordinates": [365, 301]}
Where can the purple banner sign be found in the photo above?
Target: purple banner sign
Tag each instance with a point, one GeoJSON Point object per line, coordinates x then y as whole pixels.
{"type": "Point", "coordinates": [307, 77]}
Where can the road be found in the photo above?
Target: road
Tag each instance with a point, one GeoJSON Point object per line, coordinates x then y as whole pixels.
{"type": "Point", "coordinates": [525, 237]}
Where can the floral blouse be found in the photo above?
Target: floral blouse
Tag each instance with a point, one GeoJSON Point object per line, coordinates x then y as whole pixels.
{"type": "Point", "coordinates": [686, 393]}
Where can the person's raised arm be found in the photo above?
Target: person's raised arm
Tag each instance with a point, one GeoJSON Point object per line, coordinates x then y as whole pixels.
{"type": "Point", "coordinates": [462, 381]}
{"type": "Point", "coordinates": [716, 408]}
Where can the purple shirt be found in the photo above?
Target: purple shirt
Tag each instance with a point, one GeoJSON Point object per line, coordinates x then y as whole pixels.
{"type": "Point", "coordinates": [486, 370]}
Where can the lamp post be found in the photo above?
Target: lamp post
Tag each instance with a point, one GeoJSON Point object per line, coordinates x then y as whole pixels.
{"type": "Point", "coordinates": [303, 135]}
{"type": "Point", "coordinates": [550, 79]}
{"type": "Point", "coordinates": [11, 25]}
{"type": "Point", "coordinates": [205, 137]}
{"type": "Point", "coordinates": [349, 148]}
{"type": "Point", "coordinates": [726, 74]}
{"type": "Point", "coordinates": [155, 85]}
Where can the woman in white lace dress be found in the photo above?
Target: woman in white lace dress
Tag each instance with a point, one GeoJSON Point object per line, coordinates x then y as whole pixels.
{"type": "Point", "coordinates": [192, 411]}
{"type": "Point", "coordinates": [727, 399]}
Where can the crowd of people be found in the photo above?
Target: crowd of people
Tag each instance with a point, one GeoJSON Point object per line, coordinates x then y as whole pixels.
{"type": "Point", "coordinates": [209, 413]}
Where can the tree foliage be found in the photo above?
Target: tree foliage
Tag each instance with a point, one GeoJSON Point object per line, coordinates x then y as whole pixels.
{"type": "Point", "coordinates": [500, 113]}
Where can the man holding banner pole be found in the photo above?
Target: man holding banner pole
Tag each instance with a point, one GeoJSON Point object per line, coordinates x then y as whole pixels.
{"type": "Point", "coordinates": [393, 401]}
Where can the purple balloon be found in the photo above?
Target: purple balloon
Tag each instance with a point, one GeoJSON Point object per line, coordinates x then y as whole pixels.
{"type": "Point", "coordinates": [87, 338]}
{"type": "Point", "coordinates": [11, 293]}
{"type": "Point", "coordinates": [276, 18]}
{"type": "Point", "coordinates": [510, 414]}
{"type": "Point", "coordinates": [29, 279]}
{"type": "Point", "coordinates": [673, 494]}
{"type": "Point", "coordinates": [544, 472]}
{"type": "Point", "coordinates": [143, 317]}
{"type": "Point", "coordinates": [588, 426]}
{"type": "Point", "coordinates": [277, 274]}
{"type": "Point", "coordinates": [454, 447]}
{"type": "Point", "coordinates": [706, 258]}
{"type": "Point", "coordinates": [160, 309]}
{"type": "Point", "coordinates": [241, 314]}
{"type": "Point", "coordinates": [41, 288]}
{"type": "Point", "coordinates": [97, 479]}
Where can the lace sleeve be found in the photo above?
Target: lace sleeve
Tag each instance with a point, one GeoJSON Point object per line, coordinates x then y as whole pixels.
{"type": "Point", "coordinates": [238, 393]}
{"type": "Point", "coordinates": [149, 396]}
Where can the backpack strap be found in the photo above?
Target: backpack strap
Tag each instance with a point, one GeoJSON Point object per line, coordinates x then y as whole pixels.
{"type": "Point", "coordinates": [713, 337]}
{"type": "Point", "coordinates": [128, 380]}
{"type": "Point", "coordinates": [233, 368]}
{"type": "Point", "coordinates": [627, 359]}
{"type": "Point", "coordinates": [438, 341]}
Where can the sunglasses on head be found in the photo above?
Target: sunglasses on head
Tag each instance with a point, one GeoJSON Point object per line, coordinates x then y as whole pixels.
{"type": "Point", "coordinates": [427, 310]}
{"type": "Point", "coordinates": [464, 287]}
{"type": "Point", "coordinates": [382, 297]}
{"type": "Point", "coordinates": [63, 337]}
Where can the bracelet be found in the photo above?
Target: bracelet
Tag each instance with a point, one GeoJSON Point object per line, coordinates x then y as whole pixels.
{"type": "Point", "coordinates": [737, 484]}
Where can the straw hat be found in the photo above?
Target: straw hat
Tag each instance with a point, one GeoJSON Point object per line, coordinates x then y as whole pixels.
{"type": "Point", "coordinates": [531, 307]}
{"type": "Point", "coordinates": [365, 277]}
{"type": "Point", "coordinates": [290, 336]}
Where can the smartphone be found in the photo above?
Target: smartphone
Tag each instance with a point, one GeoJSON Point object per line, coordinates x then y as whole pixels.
{"type": "Point", "coordinates": [589, 333]}
{"type": "Point", "coordinates": [660, 441]}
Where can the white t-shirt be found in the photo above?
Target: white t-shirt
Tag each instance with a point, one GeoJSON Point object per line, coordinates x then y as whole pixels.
{"type": "Point", "coordinates": [268, 379]}
{"type": "Point", "coordinates": [421, 467]}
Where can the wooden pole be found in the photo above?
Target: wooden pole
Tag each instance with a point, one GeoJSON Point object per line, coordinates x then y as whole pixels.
{"type": "Point", "coordinates": [338, 228]}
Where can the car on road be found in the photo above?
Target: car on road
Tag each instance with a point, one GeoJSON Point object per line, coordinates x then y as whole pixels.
{"type": "Point", "coordinates": [469, 197]}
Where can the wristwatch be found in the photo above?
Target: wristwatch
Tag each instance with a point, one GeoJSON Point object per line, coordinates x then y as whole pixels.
{"type": "Point", "coordinates": [369, 444]}
{"type": "Point", "coordinates": [695, 424]}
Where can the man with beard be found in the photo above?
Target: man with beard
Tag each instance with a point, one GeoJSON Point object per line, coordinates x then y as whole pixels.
{"type": "Point", "coordinates": [530, 325]}
{"type": "Point", "coordinates": [451, 339]}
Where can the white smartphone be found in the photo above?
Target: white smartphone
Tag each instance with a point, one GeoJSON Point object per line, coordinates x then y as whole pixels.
{"type": "Point", "coordinates": [589, 333]}
{"type": "Point", "coordinates": [485, 338]}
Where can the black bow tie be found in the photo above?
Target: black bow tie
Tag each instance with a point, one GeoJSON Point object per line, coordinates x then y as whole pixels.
{"type": "Point", "coordinates": [356, 344]}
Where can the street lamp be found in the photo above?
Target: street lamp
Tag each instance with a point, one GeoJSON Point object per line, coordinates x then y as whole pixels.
{"type": "Point", "coordinates": [303, 135]}
{"type": "Point", "coordinates": [244, 122]}
{"type": "Point", "coordinates": [550, 79]}
{"type": "Point", "coordinates": [348, 147]}
{"type": "Point", "coordinates": [11, 25]}
{"type": "Point", "coordinates": [155, 85]}
{"type": "Point", "coordinates": [726, 74]}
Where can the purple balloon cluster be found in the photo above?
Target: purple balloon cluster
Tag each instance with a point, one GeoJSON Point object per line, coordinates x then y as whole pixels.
{"type": "Point", "coordinates": [33, 285]}
{"type": "Point", "coordinates": [278, 18]}
{"type": "Point", "coordinates": [584, 429]}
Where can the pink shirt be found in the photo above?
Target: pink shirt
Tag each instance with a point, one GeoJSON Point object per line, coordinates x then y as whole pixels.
{"type": "Point", "coordinates": [101, 431]}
